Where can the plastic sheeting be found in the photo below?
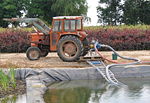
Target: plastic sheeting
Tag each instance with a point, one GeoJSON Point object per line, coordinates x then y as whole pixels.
{"type": "Point", "coordinates": [38, 79]}
{"type": "Point", "coordinates": [49, 75]}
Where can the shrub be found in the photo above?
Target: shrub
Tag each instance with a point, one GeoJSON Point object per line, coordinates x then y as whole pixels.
{"type": "Point", "coordinates": [122, 38]}
{"type": "Point", "coordinates": [119, 37]}
{"type": "Point", "coordinates": [13, 40]}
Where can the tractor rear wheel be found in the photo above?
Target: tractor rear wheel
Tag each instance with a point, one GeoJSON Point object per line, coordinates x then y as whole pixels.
{"type": "Point", "coordinates": [69, 48]}
{"type": "Point", "coordinates": [33, 53]}
{"type": "Point", "coordinates": [85, 46]}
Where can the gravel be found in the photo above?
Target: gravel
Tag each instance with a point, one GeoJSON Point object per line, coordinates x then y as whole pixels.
{"type": "Point", "coordinates": [19, 60]}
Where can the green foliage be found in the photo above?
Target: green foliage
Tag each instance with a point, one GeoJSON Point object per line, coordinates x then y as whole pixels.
{"type": "Point", "coordinates": [40, 9]}
{"type": "Point", "coordinates": [141, 33]}
{"type": "Point", "coordinates": [136, 12]}
{"type": "Point", "coordinates": [9, 9]}
{"type": "Point", "coordinates": [122, 37]}
{"type": "Point", "coordinates": [111, 14]}
{"type": "Point", "coordinates": [144, 13]}
{"type": "Point", "coordinates": [4, 80]}
{"type": "Point", "coordinates": [10, 99]}
{"type": "Point", "coordinates": [43, 9]}
{"type": "Point", "coordinates": [121, 27]}
{"type": "Point", "coordinates": [70, 7]}
{"type": "Point", "coordinates": [12, 77]}
{"type": "Point", "coordinates": [46, 9]}
{"type": "Point", "coordinates": [7, 80]}
{"type": "Point", "coordinates": [18, 29]}
{"type": "Point", "coordinates": [131, 12]}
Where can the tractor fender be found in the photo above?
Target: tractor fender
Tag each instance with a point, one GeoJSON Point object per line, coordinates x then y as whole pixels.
{"type": "Point", "coordinates": [77, 34]}
{"type": "Point", "coordinates": [83, 34]}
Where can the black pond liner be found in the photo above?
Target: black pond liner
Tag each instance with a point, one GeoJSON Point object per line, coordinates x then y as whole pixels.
{"type": "Point", "coordinates": [37, 80]}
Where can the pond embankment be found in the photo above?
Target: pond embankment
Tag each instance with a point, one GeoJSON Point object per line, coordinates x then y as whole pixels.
{"type": "Point", "coordinates": [37, 80]}
{"type": "Point", "coordinates": [39, 74]}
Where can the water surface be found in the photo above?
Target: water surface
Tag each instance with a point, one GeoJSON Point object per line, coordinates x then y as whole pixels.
{"type": "Point", "coordinates": [98, 91]}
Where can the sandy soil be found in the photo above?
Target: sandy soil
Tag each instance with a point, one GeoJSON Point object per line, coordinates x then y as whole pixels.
{"type": "Point", "coordinates": [19, 60]}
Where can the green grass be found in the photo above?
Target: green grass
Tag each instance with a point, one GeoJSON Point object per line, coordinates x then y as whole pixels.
{"type": "Point", "coordinates": [3, 29]}
{"type": "Point", "coordinates": [4, 80]}
{"type": "Point", "coordinates": [12, 77]}
{"type": "Point", "coordinates": [15, 29]}
{"type": "Point", "coordinates": [143, 27]}
{"type": "Point", "coordinates": [7, 80]}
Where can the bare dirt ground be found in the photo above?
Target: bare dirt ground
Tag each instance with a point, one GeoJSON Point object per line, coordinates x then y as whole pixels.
{"type": "Point", "coordinates": [19, 60]}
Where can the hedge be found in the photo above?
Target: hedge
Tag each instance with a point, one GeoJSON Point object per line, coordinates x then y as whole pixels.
{"type": "Point", "coordinates": [14, 41]}
{"type": "Point", "coordinates": [120, 38]}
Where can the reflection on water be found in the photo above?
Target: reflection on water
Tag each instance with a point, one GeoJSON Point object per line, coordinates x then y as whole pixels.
{"type": "Point", "coordinates": [14, 99]}
{"type": "Point", "coordinates": [97, 91]}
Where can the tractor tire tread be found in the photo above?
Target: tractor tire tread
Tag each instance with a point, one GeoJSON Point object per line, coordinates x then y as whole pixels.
{"type": "Point", "coordinates": [78, 42]}
{"type": "Point", "coordinates": [30, 49]}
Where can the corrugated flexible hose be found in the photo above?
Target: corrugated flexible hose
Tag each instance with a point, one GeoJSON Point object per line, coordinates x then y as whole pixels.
{"type": "Point", "coordinates": [136, 61]}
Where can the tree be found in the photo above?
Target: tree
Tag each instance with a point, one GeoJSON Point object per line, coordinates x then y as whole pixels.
{"type": "Point", "coordinates": [43, 9]}
{"type": "Point", "coordinates": [9, 9]}
{"type": "Point", "coordinates": [46, 9]}
{"type": "Point", "coordinates": [131, 12]}
{"type": "Point", "coordinates": [136, 12]}
{"type": "Point", "coordinates": [111, 13]}
{"type": "Point", "coordinates": [144, 12]}
{"type": "Point", "coordinates": [70, 7]}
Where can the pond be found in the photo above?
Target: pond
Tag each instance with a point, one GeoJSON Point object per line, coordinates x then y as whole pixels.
{"type": "Point", "coordinates": [99, 91]}
{"type": "Point", "coordinates": [93, 91]}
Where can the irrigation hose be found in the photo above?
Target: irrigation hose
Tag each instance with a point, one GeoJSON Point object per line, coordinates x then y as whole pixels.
{"type": "Point", "coordinates": [137, 61]}
{"type": "Point", "coordinates": [145, 62]}
{"type": "Point", "coordinates": [95, 46]}
{"type": "Point", "coordinates": [113, 61]}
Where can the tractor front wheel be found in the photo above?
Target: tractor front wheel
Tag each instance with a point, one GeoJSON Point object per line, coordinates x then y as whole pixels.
{"type": "Point", "coordinates": [69, 48]}
{"type": "Point", "coordinates": [33, 53]}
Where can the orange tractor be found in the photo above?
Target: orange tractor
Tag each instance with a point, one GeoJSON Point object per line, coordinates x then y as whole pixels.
{"type": "Point", "coordinates": [66, 37]}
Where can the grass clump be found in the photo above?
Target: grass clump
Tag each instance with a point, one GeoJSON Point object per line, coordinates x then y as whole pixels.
{"type": "Point", "coordinates": [12, 77]}
{"type": "Point", "coordinates": [7, 81]}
